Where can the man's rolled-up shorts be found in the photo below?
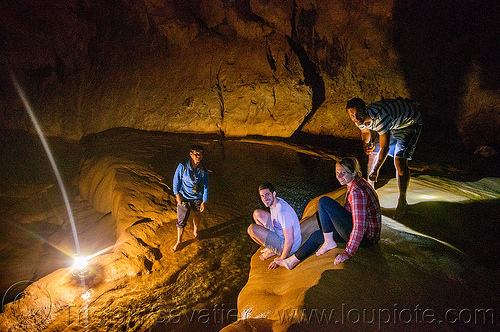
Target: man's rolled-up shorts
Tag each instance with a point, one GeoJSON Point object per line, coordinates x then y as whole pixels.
{"type": "Point", "coordinates": [403, 142]}
{"type": "Point", "coordinates": [273, 242]}
{"type": "Point", "coordinates": [183, 211]}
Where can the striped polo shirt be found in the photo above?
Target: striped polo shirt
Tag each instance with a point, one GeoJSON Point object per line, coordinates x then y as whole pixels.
{"type": "Point", "coordinates": [392, 114]}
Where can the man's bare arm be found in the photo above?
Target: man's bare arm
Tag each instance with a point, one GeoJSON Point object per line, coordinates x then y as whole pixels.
{"type": "Point", "coordinates": [366, 137]}
{"type": "Point", "coordinates": [287, 247]}
{"type": "Point", "coordinates": [382, 155]}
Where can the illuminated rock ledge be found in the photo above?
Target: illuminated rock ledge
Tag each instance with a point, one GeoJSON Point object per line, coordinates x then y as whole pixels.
{"type": "Point", "coordinates": [409, 280]}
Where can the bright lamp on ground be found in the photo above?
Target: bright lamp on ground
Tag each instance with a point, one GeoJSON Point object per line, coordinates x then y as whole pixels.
{"type": "Point", "coordinates": [80, 265]}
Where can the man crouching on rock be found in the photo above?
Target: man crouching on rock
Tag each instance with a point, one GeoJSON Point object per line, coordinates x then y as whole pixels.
{"type": "Point", "coordinates": [190, 188]}
{"type": "Point", "coordinates": [278, 231]}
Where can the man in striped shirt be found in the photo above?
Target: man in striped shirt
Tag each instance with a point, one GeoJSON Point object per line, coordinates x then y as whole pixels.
{"type": "Point", "coordinates": [398, 124]}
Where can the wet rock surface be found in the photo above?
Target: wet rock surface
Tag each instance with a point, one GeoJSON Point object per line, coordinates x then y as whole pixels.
{"type": "Point", "coordinates": [124, 186]}
{"type": "Point", "coordinates": [121, 200]}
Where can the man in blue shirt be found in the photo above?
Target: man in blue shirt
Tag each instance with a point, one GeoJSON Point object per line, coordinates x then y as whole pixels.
{"type": "Point", "coordinates": [190, 188]}
{"type": "Point", "coordinates": [398, 124]}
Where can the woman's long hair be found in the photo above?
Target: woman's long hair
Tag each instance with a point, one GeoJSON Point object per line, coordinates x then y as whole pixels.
{"type": "Point", "coordinates": [352, 164]}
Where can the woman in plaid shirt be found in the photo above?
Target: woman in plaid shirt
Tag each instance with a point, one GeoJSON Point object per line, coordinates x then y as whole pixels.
{"type": "Point", "coordinates": [358, 223]}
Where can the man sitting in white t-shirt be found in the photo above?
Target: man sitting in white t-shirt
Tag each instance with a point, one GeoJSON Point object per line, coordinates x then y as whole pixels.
{"type": "Point", "coordinates": [279, 230]}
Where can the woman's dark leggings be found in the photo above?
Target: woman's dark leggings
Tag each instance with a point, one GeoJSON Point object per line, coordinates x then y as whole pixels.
{"type": "Point", "coordinates": [332, 217]}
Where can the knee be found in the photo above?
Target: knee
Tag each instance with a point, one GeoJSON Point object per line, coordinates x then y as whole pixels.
{"type": "Point", "coordinates": [401, 165]}
{"type": "Point", "coordinates": [256, 215]}
{"type": "Point", "coordinates": [259, 216]}
{"type": "Point", "coordinates": [251, 230]}
{"type": "Point", "coordinates": [323, 201]}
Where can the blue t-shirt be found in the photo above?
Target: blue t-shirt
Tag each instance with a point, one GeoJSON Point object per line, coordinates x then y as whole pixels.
{"type": "Point", "coordinates": [184, 179]}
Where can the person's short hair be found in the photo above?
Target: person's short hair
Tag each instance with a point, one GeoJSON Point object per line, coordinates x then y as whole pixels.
{"type": "Point", "coordinates": [267, 185]}
{"type": "Point", "coordinates": [352, 164]}
{"type": "Point", "coordinates": [197, 148]}
{"type": "Point", "coordinates": [360, 106]}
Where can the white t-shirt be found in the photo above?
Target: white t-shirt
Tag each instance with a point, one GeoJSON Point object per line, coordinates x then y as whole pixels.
{"type": "Point", "coordinates": [284, 216]}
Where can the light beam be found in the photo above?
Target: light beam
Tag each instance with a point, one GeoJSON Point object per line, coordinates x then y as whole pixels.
{"type": "Point", "coordinates": [49, 155]}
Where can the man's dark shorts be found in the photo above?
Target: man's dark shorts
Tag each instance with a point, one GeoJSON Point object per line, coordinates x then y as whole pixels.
{"type": "Point", "coordinates": [184, 209]}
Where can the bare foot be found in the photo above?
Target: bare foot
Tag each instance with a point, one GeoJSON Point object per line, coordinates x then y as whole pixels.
{"type": "Point", "coordinates": [174, 247]}
{"type": "Point", "coordinates": [289, 263]}
{"type": "Point", "coordinates": [266, 253]}
{"type": "Point", "coordinates": [326, 247]}
{"type": "Point", "coordinates": [195, 232]}
{"type": "Point", "coordinates": [401, 209]}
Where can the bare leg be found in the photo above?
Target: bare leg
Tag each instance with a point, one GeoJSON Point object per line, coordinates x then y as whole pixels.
{"type": "Point", "coordinates": [289, 262]}
{"type": "Point", "coordinates": [196, 222]}
{"type": "Point", "coordinates": [261, 217]}
{"type": "Point", "coordinates": [403, 177]}
{"type": "Point", "coordinates": [258, 231]}
{"type": "Point", "coordinates": [372, 160]}
{"type": "Point", "coordinates": [329, 244]}
{"type": "Point", "coordinates": [180, 231]}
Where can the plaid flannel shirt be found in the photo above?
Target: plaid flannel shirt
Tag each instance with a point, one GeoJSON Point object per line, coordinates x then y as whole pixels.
{"type": "Point", "coordinates": [362, 201]}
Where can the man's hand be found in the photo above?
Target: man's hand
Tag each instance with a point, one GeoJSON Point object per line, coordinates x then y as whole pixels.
{"type": "Point", "coordinates": [373, 175]}
{"type": "Point", "coordinates": [274, 264]}
{"type": "Point", "coordinates": [202, 207]}
{"type": "Point", "coordinates": [368, 147]}
{"type": "Point", "coordinates": [340, 258]}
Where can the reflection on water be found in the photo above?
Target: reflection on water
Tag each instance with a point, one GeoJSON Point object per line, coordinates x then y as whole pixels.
{"type": "Point", "coordinates": [238, 169]}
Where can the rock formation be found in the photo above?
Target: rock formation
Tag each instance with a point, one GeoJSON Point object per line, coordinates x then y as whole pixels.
{"type": "Point", "coordinates": [252, 67]}
{"type": "Point", "coordinates": [386, 286]}
{"type": "Point", "coordinates": [233, 68]}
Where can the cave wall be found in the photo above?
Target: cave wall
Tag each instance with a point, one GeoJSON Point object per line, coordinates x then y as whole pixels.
{"type": "Point", "coordinates": [249, 67]}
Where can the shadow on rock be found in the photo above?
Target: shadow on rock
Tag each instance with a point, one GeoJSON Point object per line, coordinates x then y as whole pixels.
{"type": "Point", "coordinates": [470, 226]}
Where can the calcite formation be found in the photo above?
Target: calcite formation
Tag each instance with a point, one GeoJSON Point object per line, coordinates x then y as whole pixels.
{"type": "Point", "coordinates": [252, 67]}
